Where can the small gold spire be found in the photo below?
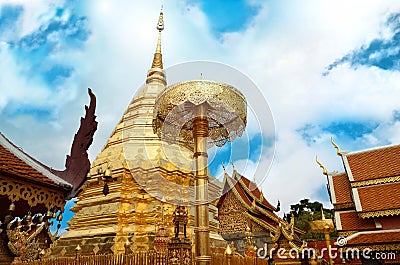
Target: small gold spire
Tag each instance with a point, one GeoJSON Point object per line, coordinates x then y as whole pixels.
{"type": "Point", "coordinates": [156, 70]}
{"type": "Point", "coordinates": [321, 166]}
{"type": "Point", "coordinates": [339, 153]}
{"type": "Point", "coordinates": [160, 24]}
{"type": "Point", "coordinates": [322, 212]}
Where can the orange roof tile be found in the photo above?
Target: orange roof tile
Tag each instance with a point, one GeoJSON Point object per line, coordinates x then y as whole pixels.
{"type": "Point", "coordinates": [375, 238]}
{"type": "Point", "coordinates": [255, 193]}
{"type": "Point", "coordinates": [376, 163]}
{"type": "Point", "coordinates": [342, 189]}
{"type": "Point", "coordinates": [15, 163]}
{"type": "Point", "coordinates": [350, 221]}
{"type": "Point", "coordinates": [380, 197]}
{"type": "Point", "coordinates": [266, 216]}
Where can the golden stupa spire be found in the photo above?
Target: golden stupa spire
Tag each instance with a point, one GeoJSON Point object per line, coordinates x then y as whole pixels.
{"type": "Point", "coordinates": [157, 64]}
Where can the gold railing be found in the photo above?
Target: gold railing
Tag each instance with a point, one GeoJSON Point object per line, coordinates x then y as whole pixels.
{"type": "Point", "coordinates": [144, 258]}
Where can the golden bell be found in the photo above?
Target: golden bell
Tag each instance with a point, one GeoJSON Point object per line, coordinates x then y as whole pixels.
{"type": "Point", "coordinates": [12, 207]}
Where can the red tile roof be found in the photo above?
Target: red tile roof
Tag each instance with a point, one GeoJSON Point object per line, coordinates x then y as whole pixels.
{"type": "Point", "coordinates": [378, 237]}
{"type": "Point", "coordinates": [342, 189]}
{"type": "Point", "coordinates": [376, 163]}
{"type": "Point", "coordinates": [253, 192]}
{"type": "Point", "coordinates": [14, 162]}
{"type": "Point", "coordinates": [350, 221]}
{"type": "Point", "coordinates": [380, 197]}
{"type": "Point", "coordinates": [247, 192]}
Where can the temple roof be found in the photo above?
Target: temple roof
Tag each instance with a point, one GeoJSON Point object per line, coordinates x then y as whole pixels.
{"type": "Point", "coordinates": [15, 163]}
{"type": "Point", "coordinates": [248, 192]}
{"type": "Point", "coordinates": [374, 163]}
{"type": "Point", "coordinates": [374, 238]}
{"type": "Point", "coordinates": [370, 184]}
{"type": "Point", "coordinates": [350, 221]}
{"type": "Point", "coordinates": [342, 189]}
{"type": "Point", "coordinates": [258, 208]}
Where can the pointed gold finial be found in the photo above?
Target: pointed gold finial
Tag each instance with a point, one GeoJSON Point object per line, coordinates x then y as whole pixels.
{"type": "Point", "coordinates": [322, 212]}
{"type": "Point", "coordinates": [156, 72]}
{"type": "Point", "coordinates": [338, 152]}
{"type": "Point", "coordinates": [160, 23]}
{"type": "Point", "coordinates": [157, 61]}
{"type": "Point", "coordinates": [321, 166]}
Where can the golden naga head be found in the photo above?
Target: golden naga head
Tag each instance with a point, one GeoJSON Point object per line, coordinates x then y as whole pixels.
{"type": "Point", "coordinates": [324, 171]}
{"type": "Point", "coordinates": [338, 152]}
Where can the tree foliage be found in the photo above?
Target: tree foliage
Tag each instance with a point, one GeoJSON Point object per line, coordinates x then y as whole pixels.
{"type": "Point", "coordinates": [305, 212]}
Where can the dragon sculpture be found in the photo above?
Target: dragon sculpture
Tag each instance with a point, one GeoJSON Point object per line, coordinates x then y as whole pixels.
{"type": "Point", "coordinates": [77, 164]}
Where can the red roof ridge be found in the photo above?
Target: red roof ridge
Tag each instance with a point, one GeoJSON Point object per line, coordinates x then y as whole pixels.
{"type": "Point", "coordinates": [33, 163]}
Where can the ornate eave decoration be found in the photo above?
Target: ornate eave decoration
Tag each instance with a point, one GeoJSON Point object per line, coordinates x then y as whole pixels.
{"type": "Point", "coordinates": [390, 212]}
{"type": "Point", "coordinates": [375, 181]}
{"type": "Point", "coordinates": [32, 194]}
{"type": "Point", "coordinates": [286, 230]}
{"type": "Point", "coordinates": [262, 224]}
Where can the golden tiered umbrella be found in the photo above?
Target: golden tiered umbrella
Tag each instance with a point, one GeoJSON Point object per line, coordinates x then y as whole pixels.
{"type": "Point", "coordinates": [200, 114]}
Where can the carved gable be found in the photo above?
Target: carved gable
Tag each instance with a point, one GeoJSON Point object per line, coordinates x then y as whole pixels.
{"type": "Point", "coordinates": [231, 214]}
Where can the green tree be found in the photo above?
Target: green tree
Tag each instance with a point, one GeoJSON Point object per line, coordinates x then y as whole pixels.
{"type": "Point", "coordinates": [305, 212]}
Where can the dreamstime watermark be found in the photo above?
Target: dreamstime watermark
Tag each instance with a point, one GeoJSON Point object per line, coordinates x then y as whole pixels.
{"type": "Point", "coordinates": [332, 252]}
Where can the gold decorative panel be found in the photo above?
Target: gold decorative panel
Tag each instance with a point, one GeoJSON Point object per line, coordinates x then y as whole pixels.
{"type": "Point", "coordinates": [34, 195]}
{"type": "Point", "coordinates": [231, 216]}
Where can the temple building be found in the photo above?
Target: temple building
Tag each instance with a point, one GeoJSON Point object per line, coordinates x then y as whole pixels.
{"type": "Point", "coordinates": [134, 183]}
{"type": "Point", "coordinates": [243, 209]}
{"type": "Point", "coordinates": [366, 199]}
{"type": "Point", "coordinates": [32, 195]}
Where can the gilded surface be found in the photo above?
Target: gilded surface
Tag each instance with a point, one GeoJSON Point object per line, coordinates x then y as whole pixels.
{"type": "Point", "coordinates": [34, 195]}
{"type": "Point", "coordinates": [322, 226]}
{"type": "Point", "coordinates": [174, 112]}
{"type": "Point", "coordinates": [375, 181]}
{"type": "Point", "coordinates": [231, 216]}
{"type": "Point", "coordinates": [380, 213]}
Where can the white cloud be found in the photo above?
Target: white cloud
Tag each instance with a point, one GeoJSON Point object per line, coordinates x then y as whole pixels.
{"type": "Point", "coordinates": [285, 51]}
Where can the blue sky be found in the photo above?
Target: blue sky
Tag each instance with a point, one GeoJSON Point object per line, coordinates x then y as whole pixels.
{"type": "Point", "coordinates": [322, 75]}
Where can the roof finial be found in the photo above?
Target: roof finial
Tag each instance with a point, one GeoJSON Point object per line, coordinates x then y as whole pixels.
{"type": "Point", "coordinates": [157, 64]}
{"type": "Point", "coordinates": [160, 24]}
{"type": "Point", "coordinates": [322, 213]}
{"type": "Point", "coordinates": [339, 153]}
{"type": "Point", "coordinates": [321, 166]}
